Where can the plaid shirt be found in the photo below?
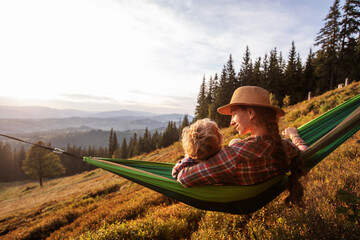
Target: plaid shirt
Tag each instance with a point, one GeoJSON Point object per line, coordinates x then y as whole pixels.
{"type": "Point", "coordinates": [244, 162]}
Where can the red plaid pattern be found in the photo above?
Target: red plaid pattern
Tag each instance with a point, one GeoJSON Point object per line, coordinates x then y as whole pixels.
{"type": "Point", "coordinates": [245, 162]}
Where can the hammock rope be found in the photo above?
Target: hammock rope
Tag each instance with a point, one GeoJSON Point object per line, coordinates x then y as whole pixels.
{"type": "Point", "coordinates": [53, 149]}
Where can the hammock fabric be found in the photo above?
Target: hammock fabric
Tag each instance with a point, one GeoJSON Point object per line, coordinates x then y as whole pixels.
{"type": "Point", "coordinates": [323, 134]}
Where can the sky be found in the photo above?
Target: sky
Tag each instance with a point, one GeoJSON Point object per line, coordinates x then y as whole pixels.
{"type": "Point", "coordinates": [145, 55]}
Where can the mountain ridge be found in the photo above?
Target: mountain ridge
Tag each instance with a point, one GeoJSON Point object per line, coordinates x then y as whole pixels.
{"type": "Point", "coordinates": [11, 126]}
{"type": "Point", "coordinates": [39, 112]}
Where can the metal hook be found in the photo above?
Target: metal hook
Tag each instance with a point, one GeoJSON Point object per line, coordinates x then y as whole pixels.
{"type": "Point", "coordinates": [58, 150]}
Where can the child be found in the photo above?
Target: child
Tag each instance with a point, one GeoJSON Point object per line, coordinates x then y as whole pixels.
{"type": "Point", "coordinates": [200, 141]}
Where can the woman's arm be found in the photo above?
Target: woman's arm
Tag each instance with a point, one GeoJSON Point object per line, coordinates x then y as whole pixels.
{"type": "Point", "coordinates": [293, 134]}
{"type": "Point", "coordinates": [233, 141]}
{"type": "Point", "coordinates": [215, 170]}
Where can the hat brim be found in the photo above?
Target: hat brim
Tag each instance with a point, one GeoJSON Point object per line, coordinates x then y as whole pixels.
{"type": "Point", "coordinates": [226, 109]}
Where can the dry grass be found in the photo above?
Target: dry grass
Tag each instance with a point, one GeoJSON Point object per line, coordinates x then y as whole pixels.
{"type": "Point", "coordinates": [15, 197]}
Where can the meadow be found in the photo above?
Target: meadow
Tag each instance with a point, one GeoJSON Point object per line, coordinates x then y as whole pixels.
{"type": "Point", "coordinates": [101, 205]}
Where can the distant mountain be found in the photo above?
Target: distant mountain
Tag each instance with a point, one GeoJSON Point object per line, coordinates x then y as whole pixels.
{"type": "Point", "coordinates": [122, 113]}
{"type": "Point", "coordinates": [38, 121]}
{"type": "Point", "coordinates": [81, 137]}
{"type": "Point", "coordinates": [35, 112]}
{"type": "Point", "coordinates": [175, 117]}
{"type": "Point", "coordinates": [39, 112]}
{"type": "Point", "coordinates": [9, 126]}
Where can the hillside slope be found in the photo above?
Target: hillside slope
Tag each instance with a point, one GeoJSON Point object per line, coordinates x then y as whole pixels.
{"type": "Point", "coordinates": [100, 205]}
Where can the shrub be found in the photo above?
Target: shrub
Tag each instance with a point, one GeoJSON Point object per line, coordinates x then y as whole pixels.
{"type": "Point", "coordinates": [349, 202]}
{"type": "Point", "coordinates": [286, 101]}
{"type": "Point", "coordinates": [171, 222]}
{"type": "Point", "coordinates": [103, 191]}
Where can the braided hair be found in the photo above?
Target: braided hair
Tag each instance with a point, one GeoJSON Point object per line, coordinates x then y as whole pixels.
{"type": "Point", "coordinates": [267, 117]}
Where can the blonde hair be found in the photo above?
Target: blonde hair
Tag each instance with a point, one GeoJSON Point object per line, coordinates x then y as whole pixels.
{"type": "Point", "coordinates": [202, 139]}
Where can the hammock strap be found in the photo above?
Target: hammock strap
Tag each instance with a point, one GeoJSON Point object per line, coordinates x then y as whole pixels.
{"type": "Point", "coordinates": [55, 150]}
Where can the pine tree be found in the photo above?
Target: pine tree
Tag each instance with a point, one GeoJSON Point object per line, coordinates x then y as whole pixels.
{"type": "Point", "coordinates": [156, 140]}
{"type": "Point", "coordinates": [113, 143]}
{"type": "Point", "coordinates": [223, 96]}
{"type": "Point", "coordinates": [66, 161]}
{"type": "Point", "coordinates": [275, 77]}
{"type": "Point", "coordinates": [290, 72]}
{"type": "Point", "coordinates": [232, 80]}
{"type": "Point", "coordinates": [355, 72]}
{"type": "Point", "coordinates": [309, 73]}
{"type": "Point", "coordinates": [15, 164]}
{"type": "Point", "coordinates": [227, 85]}
{"type": "Point", "coordinates": [5, 162]}
{"type": "Point", "coordinates": [146, 139]}
{"type": "Point", "coordinates": [282, 64]}
{"type": "Point", "coordinates": [132, 146]}
{"type": "Point", "coordinates": [41, 163]}
{"type": "Point", "coordinates": [20, 157]}
{"type": "Point", "coordinates": [140, 146]}
{"type": "Point", "coordinates": [257, 73]}
{"type": "Point", "coordinates": [135, 145]}
{"type": "Point", "coordinates": [350, 24]}
{"type": "Point", "coordinates": [212, 107]}
{"type": "Point", "coordinates": [101, 151]}
{"type": "Point", "coordinates": [185, 122]}
{"type": "Point", "coordinates": [124, 149]}
{"type": "Point", "coordinates": [201, 109]}
{"type": "Point", "coordinates": [246, 69]}
{"type": "Point", "coordinates": [210, 94]}
{"type": "Point", "coordinates": [349, 33]}
{"type": "Point", "coordinates": [170, 135]}
{"type": "Point", "coordinates": [300, 93]}
{"type": "Point", "coordinates": [264, 80]}
{"type": "Point", "coordinates": [116, 154]}
{"type": "Point", "coordinates": [328, 39]}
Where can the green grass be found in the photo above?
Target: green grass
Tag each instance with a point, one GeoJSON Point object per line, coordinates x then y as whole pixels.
{"type": "Point", "coordinates": [101, 205]}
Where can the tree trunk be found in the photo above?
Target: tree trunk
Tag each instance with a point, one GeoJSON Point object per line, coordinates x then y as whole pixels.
{"type": "Point", "coordinates": [331, 78]}
{"type": "Point", "coordinates": [40, 179]}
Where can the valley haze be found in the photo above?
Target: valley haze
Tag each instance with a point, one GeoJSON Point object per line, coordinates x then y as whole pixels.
{"type": "Point", "coordinates": [38, 119]}
{"type": "Point", "coordinates": [80, 128]}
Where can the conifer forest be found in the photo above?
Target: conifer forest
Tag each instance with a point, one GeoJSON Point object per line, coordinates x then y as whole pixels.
{"type": "Point", "coordinates": [287, 77]}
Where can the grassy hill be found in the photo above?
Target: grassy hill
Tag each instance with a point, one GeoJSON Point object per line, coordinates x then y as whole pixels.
{"type": "Point", "coordinates": [101, 205]}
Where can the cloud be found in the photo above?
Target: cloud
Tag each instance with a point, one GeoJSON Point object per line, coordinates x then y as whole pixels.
{"type": "Point", "coordinates": [87, 98]}
{"type": "Point", "coordinates": [159, 103]}
{"type": "Point", "coordinates": [164, 102]}
{"type": "Point", "coordinates": [229, 26]}
{"type": "Point", "coordinates": [116, 53]}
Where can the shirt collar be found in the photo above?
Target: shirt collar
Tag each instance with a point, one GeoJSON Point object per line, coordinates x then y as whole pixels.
{"type": "Point", "coordinates": [256, 138]}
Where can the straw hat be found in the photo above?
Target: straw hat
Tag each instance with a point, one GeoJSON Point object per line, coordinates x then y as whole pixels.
{"type": "Point", "coordinates": [250, 96]}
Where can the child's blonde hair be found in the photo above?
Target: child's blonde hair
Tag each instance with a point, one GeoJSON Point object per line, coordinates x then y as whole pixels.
{"type": "Point", "coordinates": [202, 139]}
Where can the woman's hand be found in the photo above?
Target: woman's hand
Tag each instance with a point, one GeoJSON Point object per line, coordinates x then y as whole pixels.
{"type": "Point", "coordinates": [235, 140]}
{"type": "Point", "coordinates": [290, 132]}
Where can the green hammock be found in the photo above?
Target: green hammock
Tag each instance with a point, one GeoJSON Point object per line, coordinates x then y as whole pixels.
{"type": "Point", "coordinates": [323, 134]}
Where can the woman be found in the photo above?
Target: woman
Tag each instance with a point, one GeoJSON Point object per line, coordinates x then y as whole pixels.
{"type": "Point", "coordinates": [257, 158]}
